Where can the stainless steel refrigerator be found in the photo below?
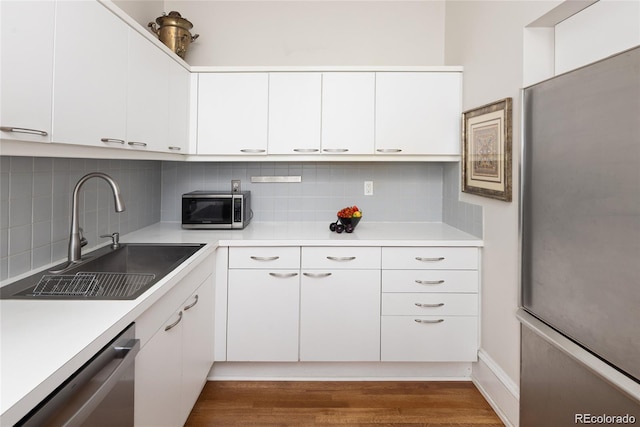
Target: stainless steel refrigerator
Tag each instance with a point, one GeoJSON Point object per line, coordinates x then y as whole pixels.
{"type": "Point", "coordinates": [580, 237]}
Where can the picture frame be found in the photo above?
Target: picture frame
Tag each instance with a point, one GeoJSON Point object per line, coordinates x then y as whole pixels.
{"type": "Point", "coordinates": [487, 150]}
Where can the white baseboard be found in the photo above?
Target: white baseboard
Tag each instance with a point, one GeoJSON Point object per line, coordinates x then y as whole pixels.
{"type": "Point", "coordinates": [339, 371]}
{"type": "Point", "coordinates": [498, 388]}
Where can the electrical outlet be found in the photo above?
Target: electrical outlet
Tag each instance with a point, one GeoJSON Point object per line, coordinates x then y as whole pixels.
{"type": "Point", "coordinates": [368, 188]}
{"type": "Point", "coordinates": [235, 185]}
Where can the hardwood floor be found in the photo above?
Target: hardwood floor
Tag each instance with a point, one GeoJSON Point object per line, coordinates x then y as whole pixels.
{"type": "Point", "coordinates": [388, 403]}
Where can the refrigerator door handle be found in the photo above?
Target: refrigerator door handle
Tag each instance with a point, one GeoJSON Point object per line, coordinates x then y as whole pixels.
{"type": "Point", "coordinates": [609, 374]}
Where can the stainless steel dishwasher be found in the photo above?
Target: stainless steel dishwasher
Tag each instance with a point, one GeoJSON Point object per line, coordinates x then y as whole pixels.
{"type": "Point", "coordinates": [100, 393]}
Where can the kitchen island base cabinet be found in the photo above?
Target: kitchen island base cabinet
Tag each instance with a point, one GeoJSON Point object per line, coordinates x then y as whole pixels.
{"type": "Point", "coordinates": [340, 316]}
{"type": "Point", "coordinates": [172, 367]}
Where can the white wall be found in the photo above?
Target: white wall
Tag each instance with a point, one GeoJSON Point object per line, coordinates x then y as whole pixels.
{"type": "Point", "coordinates": [142, 11]}
{"type": "Point", "coordinates": [486, 37]}
{"type": "Point", "coordinates": [245, 33]}
{"type": "Point", "coordinates": [579, 40]}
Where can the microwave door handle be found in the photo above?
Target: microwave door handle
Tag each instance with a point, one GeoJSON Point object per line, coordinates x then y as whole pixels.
{"type": "Point", "coordinates": [130, 351]}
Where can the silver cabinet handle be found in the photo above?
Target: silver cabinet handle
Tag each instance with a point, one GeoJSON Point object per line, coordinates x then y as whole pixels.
{"type": "Point", "coordinates": [174, 324]}
{"type": "Point", "coordinates": [172, 148]}
{"type": "Point", "coordinates": [389, 150]}
{"type": "Point", "coordinates": [418, 258]}
{"type": "Point", "coordinates": [252, 150]}
{"type": "Point", "coordinates": [317, 275]}
{"type": "Point", "coordinates": [428, 321]}
{"type": "Point", "coordinates": [192, 304]}
{"type": "Point", "coordinates": [112, 141]}
{"type": "Point", "coordinates": [419, 304]}
{"type": "Point", "coordinates": [429, 282]}
{"type": "Point", "coordinates": [265, 258]}
{"type": "Point", "coordinates": [335, 150]}
{"type": "Point", "coordinates": [23, 130]}
{"type": "Point", "coordinates": [139, 144]}
{"type": "Point", "coordinates": [341, 258]}
{"type": "Point", "coordinates": [306, 150]}
{"type": "Point", "coordinates": [283, 275]}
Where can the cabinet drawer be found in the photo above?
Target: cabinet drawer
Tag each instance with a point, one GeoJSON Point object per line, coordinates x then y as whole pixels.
{"type": "Point", "coordinates": [341, 257]}
{"type": "Point", "coordinates": [430, 258]}
{"type": "Point", "coordinates": [429, 304]}
{"type": "Point", "coordinates": [429, 338]}
{"type": "Point", "coordinates": [430, 281]}
{"type": "Point", "coordinates": [265, 257]}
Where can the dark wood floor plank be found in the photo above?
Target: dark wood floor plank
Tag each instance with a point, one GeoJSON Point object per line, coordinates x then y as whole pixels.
{"type": "Point", "coordinates": [342, 403]}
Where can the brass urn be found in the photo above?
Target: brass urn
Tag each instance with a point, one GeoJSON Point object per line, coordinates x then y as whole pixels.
{"type": "Point", "coordinates": [173, 31]}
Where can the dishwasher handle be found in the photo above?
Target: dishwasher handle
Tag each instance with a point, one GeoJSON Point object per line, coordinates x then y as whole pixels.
{"type": "Point", "coordinates": [126, 353]}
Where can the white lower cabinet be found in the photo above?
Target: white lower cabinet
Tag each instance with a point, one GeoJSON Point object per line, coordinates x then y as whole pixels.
{"type": "Point", "coordinates": [429, 304]}
{"type": "Point", "coordinates": [173, 364]}
{"type": "Point", "coordinates": [262, 315]}
{"type": "Point", "coordinates": [340, 316]}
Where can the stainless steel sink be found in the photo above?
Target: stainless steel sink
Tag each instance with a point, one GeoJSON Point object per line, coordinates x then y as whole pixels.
{"type": "Point", "coordinates": [104, 274]}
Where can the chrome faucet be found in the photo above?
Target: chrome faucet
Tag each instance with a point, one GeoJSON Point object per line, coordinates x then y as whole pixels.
{"type": "Point", "coordinates": [76, 241]}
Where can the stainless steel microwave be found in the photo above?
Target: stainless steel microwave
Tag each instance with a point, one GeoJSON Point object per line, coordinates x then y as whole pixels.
{"type": "Point", "coordinates": [216, 210]}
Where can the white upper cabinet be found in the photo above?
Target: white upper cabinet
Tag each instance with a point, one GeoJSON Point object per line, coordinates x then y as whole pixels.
{"type": "Point", "coordinates": [232, 113]}
{"type": "Point", "coordinates": [294, 113]}
{"type": "Point", "coordinates": [147, 95]}
{"type": "Point", "coordinates": [418, 113]}
{"type": "Point", "coordinates": [26, 49]}
{"type": "Point", "coordinates": [348, 113]}
{"type": "Point", "coordinates": [179, 103]}
{"type": "Point", "coordinates": [90, 75]}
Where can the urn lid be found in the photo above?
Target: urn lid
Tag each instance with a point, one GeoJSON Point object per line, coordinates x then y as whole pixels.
{"type": "Point", "coordinates": [174, 19]}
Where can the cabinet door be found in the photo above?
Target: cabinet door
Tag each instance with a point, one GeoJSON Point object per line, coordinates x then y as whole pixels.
{"type": "Point", "coordinates": [26, 81]}
{"type": "Point", "coordinates": [147, 95]}
{"type": "Point", "coordinates": [232, 113]}
{"type": "Point", "coordinates": [158, 378]}
{"type": "Point", "coordinates": [418, 113]}
{"type": "Point", "coordinates": [263, 309]}
{"type": "Point", "coordinates": [340, 315]}
{"type": "Point", "coordinates": [90, 75]}
{"type": "Point", "coordinates": [294, 113]}
{"type": "Point", "coordinates": [348, 101]}
{"type": "Point", "coordinates": [197, 344]}
{"type": "Point", "coordinates": [179, 102]}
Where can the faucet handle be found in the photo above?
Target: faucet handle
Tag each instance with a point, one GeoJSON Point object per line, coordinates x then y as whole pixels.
{"type": "Point", "coordinates": [115, 239]}
{"type": "Point", "coordinates": [83, 240]}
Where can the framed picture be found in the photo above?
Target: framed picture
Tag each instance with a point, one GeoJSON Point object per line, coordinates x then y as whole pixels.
{"type": "Point", "coordinates": [486, 150]}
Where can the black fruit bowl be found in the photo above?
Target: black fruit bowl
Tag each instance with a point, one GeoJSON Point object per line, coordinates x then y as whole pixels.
{"type": "Point", "coordinates": [352, 221]}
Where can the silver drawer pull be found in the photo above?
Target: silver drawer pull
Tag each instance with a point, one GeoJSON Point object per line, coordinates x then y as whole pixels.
{"type": "Point", "coordinates": [174, 324]}
{"type": "Point", "coordinates": [419, 258]}
{"type": "Point", "coordinates": [419, 304]}
{"type": "Point", "coordinates": [428, 321]}
{"type": "Point", "coordinates": [283, 275]}
{"type": "Point", "coordinates": [341, 258]}
{"type": "Point", "coordinates": [112, 140]}
{"type": "Point", "coordinates": [306, 150]}
{"type": "Point", "coordinates": [252, 150]}
{"type": "Point", "coordinates": [335, 150]}
{"type": "Point", "coordinates": [23, 130]}
{"type": "Point", "coordinates": [388, 150]}
{"type": "Point", "coordinates": [317, 275]}
{"type": "Point", "coordinates": [192, 304]}
{"type": "Point", "coordinates": [172, 148]}
{"type": "Point", "coordinates": [429, 282]}
{"type": "Point", "coordinates": [265, 258]}
{"type": "Point", "coordinates": [138, 144]}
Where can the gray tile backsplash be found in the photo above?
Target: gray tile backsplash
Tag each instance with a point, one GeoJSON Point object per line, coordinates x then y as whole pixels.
{"type": "Point", "coordinates": [408, 191]}
{"type": "Point", "coordinates": [462, 215]}
{"type": "Point", "coordinates": [35, 199]}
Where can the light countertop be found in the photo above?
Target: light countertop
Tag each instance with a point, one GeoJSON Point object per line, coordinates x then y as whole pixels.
{"type": "Point", "coordinates": [43, 342]}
